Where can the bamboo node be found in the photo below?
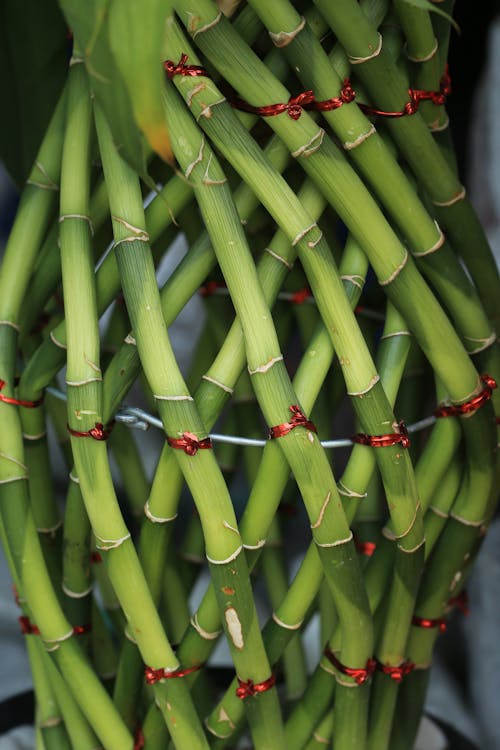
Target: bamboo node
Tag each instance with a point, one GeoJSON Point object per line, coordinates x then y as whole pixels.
{"type": "Point", "coordinates": [225, 388]}
{"type": "Point", "coordinates": [376, 52]}
{"type": "Point", "coordinates": [76, 594]}
{"type": "Point", "coordinates": [311, 146]}
{"type": "Point", "coordinates": [201, 30]}
{"type": "Point", "coordinates": [261, 543]}
{"type": "Point", "coordinates": [285, 625]}
{"type": "Point", "coordinates": [10, 324]}
{"type": "Point", "coordinates": [231, 557]}
{"type": "Point", "coordinates": [38, 436]}
{"type": "Point", "coordinates": [279, 258]}
{"type": "Point", "coordinates": [51, 529]}
{"type": "Point", "coordinates": [427, 57]}
{"type": "Point", "coordinates": [283, 38]}
{"type": "Point", "coordinates": [266, 366]}
{"type": "Point", "coordinates": [349, 145]}
{"type": "Point", "coordinates": [439, 243]}
{"type": "Point", "coordinates": [157, 519]}
{"type": "Point", "coordinates": [107, 544]}
{"type": "Point", "coordinates": [81, 217]}
{"type": "Point", "coordinates": [322, 512]}
{"type": "Point", "coordinates": [396, 271]}
{"type": "Point", "coordinates": [337, 543]}
{"type": "Point", "coordinates": [303, 233]}
{"type": "Point", "coordinates": [205, 634]}
{"type": "Point", "coordinates": [347, 492]}
{"type": "Point", "coordinates": [373, 382]}
{"type": "Point", "coordinates": [459, 196]}
{"type": "Point", "coordinates": [49, 185]}
{"type": "Point", "coordinates": [56, 342]}
{"type": "Point", "coordinates": [483, 343]}
{"type": "Point", "coordinates": [198, 160]}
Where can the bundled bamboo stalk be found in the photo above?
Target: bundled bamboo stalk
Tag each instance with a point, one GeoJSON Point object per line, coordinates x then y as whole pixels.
{"type": "Point", "coordinates": [294, 150]}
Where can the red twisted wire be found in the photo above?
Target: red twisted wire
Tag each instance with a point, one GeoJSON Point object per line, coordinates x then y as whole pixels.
{"type": "Point", "coordinates": [155, 675]}
{"type": "Point", "coordinates": [473, 404]}
{"type": "Point", "coordinates": [181, 69]}
{"type": "Point", "coordinates": [249, 689]}
{"type": "Point", "coordinates": [189, 443]}
{"type": "Point", "coordinates": [359, 674]}
{"type": "Point", "coordinates": [396, 673]}
{"type": "Point", "coordinates": [98, 432]}
{"type": "Point", "coordinates": [428, 623]}
{"type": "Point", "coordinates": [298, 419]}
{"type": "Point", "coordinates": [18, 401]}
{"type": "Point", "coordinates": [383, 441]}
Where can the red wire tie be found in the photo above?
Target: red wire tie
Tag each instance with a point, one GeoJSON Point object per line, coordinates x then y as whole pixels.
{"type": "Point", "coordinates": [189, 443]}
{"type": "Point", "coordinates": [28, 628]}
{"type": "Point", "coordinates": [155, 675]}
{"type": "Point", "coordinates": [300, 295]}
{"type": "Point", "coordinates": [359, 674]}
{"type": "Point", "coordinates": [428, 624]}
{"type": "Point", "coordinates": [416, 96]}
{"type": "Point", "coordinates": [18, 401]}
{"type": "Point", "coordinates": [138, 739]}
{"type": "Point", "coordinates": [461, 601]}
{"type": "Point", "coordinates": [473, 404]}
{"type": "Point", "coordinates": [98, 432]}
{"type": "Point", "coordinates": [347, 95]}
{"type": "Point", "coordinates": [365, 548]}
{"type": "Point", "coordinates": [293, 107]}
{"type": "Point", "coordinates": [249, 689]}
{"type": "Point", "coordinates": [383, 441]}
{"type": "Point", "coordinates": [181, 69]}
{"type": "Point", "coordinates": [95, 558]}
{"type": "Point", "coordinates": [298, 420]}
{"type": "Point", "coordinates": [210, 288]}
{"type": "Point", "coordinates": [396, 673]}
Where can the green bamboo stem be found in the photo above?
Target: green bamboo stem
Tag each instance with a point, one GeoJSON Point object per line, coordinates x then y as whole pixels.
{"type": "Point", "coordinates": [179, 415]}
{"type": "Point", "coordinates": [422, 50]}
{"type": "Point", "coordinates": [322, 733]}
{"type": "Point", "coordinates": [48, 717]}
{"type": "Point", "coordinates": [382, 79]}
{"type": "Point", "coordinates": [404, 286]}
{"type": "Point", "coordinates": [133, 476]}
{"type": "Point", "coordinates": [47, 273]}
{"type": "Point", "coordinates": [83, 380]}
{"type": "Point", "coordinates": [265, 364]}
{"type": "Point", "coordinates": [441, 503]}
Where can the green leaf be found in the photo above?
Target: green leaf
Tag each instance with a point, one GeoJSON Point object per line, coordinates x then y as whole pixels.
{"type": "Point", "coordinates": [433, 8]}
{"type": "Point", "coordinates": [89, 22]}
{"type": "Point", "coordinates": [136, 31]}
{"type": "Point", "coordinates": [34, 49]}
